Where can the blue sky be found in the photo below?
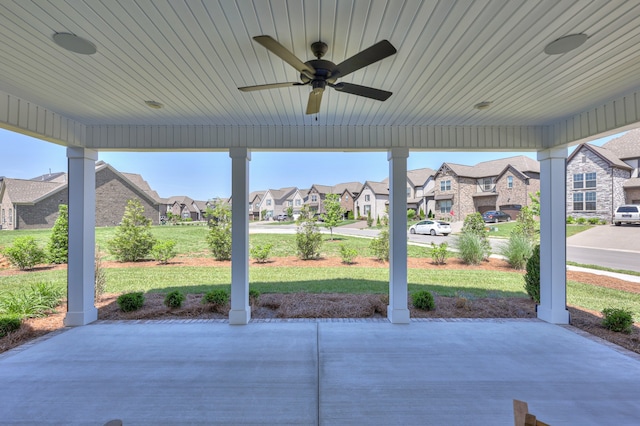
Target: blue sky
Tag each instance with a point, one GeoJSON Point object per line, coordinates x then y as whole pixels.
{"type": "Point", "coordinates": [207, 175]}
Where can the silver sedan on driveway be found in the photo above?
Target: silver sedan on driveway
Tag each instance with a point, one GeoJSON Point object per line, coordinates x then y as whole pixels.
{"type": "Point", "coordinates": [432, 227]}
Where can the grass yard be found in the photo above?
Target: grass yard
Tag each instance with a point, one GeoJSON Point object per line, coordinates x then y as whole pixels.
{"type": "Point", "coordinates": [503, 229]}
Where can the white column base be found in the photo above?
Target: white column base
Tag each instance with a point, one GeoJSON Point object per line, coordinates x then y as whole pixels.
{"type": "Point", "coordinates": [74, 319]}
{"type": "Point", "coordinates": [240, 317]}
{"type": "Point", "coordinates": [553, 316]}
{"type": "Point", "coordinates": [398, 316]}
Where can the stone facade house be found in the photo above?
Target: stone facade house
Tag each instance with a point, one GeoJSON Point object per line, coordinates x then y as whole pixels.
{"type": "Point", "coordinates": [503, 184]}
{"type": "Point", "coordinates": [599, 179]}
{"type": "Point", "coordinates": [374, 199]}
{"type": "Point", "coordinates": [33, 204]}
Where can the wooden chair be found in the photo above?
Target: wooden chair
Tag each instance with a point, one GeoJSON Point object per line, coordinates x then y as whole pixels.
{"type": "Point", "coordinates": [522, 417]}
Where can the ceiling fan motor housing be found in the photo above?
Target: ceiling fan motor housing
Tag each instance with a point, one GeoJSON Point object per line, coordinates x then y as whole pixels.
{"type": "Point", "coordinates": [324, 71]}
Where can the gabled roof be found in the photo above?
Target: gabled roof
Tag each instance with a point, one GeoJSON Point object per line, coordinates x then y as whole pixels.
{"type": "Point", "coordinates": [609, 156]}
{"type": "Point", "coordinates": [632, 183]}
{"type": "Point", "coordinates": [522, 163]}
{"type": "Point", "coordinates": [321, 189]}
{"type": "Point", "coordinates": [201, 205]}
{"type": "Point", "coordinates": [280, 195]}
{"type": "Point", "coordinates": [352, 187]}
{"type": "Point", "coordinates": [256, 194]}
{"type": "Point", "coordinates": [626, 146]}
{"type": "Point", "coordinates": [515, 171]}
{"type": "Point", "coordinates": [144, 186]}
{"type": "Point", "coordinates": [51, 177]}
{"type": "Point", "coordinates": [418, 177]}
{"type": "Point", "coordinates": [23, 191]}
{"type": "Point", "coordinates": [378, 188]}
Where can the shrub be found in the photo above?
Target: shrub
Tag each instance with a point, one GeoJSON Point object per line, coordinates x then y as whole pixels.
{"type": "Point", "coordinates": [254, 295]}
{"type": "Point", "coordinates": [217, 297]}
{"type": "Point", "coordinates": [350, 215]}
{"type": "Point", "coordinates": [347, 254]}
{"type": "Point", "coordinates": [24, 253]}
{"type": "Point", "coordinates": [261, 253]}
{"type": "Point", "coordinates": [474, 224]}
{"type": "Point", "coordinates": [581, 221]}
{"type": "Point", "coordinates": [369, 219]}
{"type": "Point", "coordinates": [532, 276]}
{"type": "Point", "coordinates": [129, 302]}
{"type": "Point", "coordinates": [219, 241]}
{"type": "Point", "coordinates": [133, 240]}
{"type": "Point", "coordinates": [164, 251]}
{"type": "Point", "coordinates": [174, 299]}
{"type": "Point", "coordinates": [308, 237]}
{"type": "Point", "coordinates": [439, 253]}
{"type": "Point", "coordinates": [100, 277]}
{"type": "Point", "coordinates": [571, 220]}
{"type": "Point", "coordinates": [32, 301]}
{"type": "Point", "coordinates": [616, 319]}
{"type": "Point", "coordinates": [411, 213]}
{"type": "Point", "coordinates": [58, 248]}
{"type": "Point", "coordinates": [517, 251]}
{"type": "Point", "coordinates": [471, 249]}
{"type": "Point", "coordinates": [379, 246]}
{"type": "Point", "coordinates": [593, 220]}
{"type": "Point", "coordinates": [423, 299]}
{"type": "Point", "coordinates": [9, 323]}
{"type": "Point", "coordinates": [603, 222]}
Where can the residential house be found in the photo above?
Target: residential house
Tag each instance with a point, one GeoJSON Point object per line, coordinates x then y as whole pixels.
{"type": "Point", "coordinates": [599, 179]}
{"type": "Point", "coordinates": [275, 201]}
{"type": "Point", "coordinates": [373, 199]}
{"type": "Point", "coordinates": [34, 203]}
{"type": "Point", "coordinates": [347, 193]}
{"type": "Point", "coordinates": [184, 207]}
{"type": "Point", "coordinates": [254, 204]}
{"type": "Point", "coordinates": [420, 186]}
{"type": "Point", "coordinates": [502, 184]}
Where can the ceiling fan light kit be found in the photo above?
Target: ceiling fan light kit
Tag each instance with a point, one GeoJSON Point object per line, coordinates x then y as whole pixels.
{"type": "Point", "coordinates": [320, 73]}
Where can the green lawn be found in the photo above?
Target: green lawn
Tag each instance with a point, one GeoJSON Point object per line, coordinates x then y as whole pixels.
{"type": "Point", "coordinates": [503, 229]}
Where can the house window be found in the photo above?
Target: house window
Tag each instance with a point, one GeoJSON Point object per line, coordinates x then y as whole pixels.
{"type": "Point", "coordinates": [487, 184]}
{"type": "Point", "coordinates": [289, 203]}
{"type": "Point", "coordinates": [367, 209]}
{"type": "Point", "coordinates": [268, 202]}
{"type": "Point", "coordinates": [346, 197]}
{"type": "Point", "coordinates": [578, 181]}
{"type": "Point", "coordinates": [445, 206]}
{"type": "Point", "coordinates": [255, 206]}
{"type": "Point", "coordinates": [445, 185]}
{"type": "Point", "coordinates": [509, 181]}
{"type": "Point", "coordinates": [314, 198]}
{"type": "Point", "coordinates": [590, 180]}
{"type": "Point", "coordinates": [590, 200]}
{"type": "Point", "coordinates": [298, 202]}
{"type": "Point", "coordinates": [578, 201]}
{"type": "Point", "coordinates": [367, 198]}
{"type": "Point", "coordinates": [408, 192]}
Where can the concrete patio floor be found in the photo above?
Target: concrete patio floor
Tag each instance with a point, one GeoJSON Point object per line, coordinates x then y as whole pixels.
{"type": "Point", "coordinates": [331, 373]}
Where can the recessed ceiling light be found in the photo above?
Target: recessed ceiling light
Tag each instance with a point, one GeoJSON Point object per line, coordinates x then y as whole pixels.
{"type": "Point", "coordinates": [483, 105]}
{"type": "Point", "coordinates": [565, 44]}
{"type": "Point", "coordinates": [153, 104]}
{"type": "Point", "coordinates": [75, 44]}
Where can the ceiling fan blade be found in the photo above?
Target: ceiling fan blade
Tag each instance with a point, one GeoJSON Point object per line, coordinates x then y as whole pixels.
{"type": "Point", "coordinates": [313, 105]}
{"type": "Point", "coordinates": [283, 53]}
{"type": "Point", "coordinates": [375, 53]}
{"type": "Point", "coordinates": [367, 92]}
{"type": "Point", "coordinates": [268, 86]}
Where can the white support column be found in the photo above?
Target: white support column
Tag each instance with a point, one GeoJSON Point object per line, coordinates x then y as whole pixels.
{"type": "Point", "coordinates": [240, 313]}
{"type": "Point", "coordinates": [553, 236]}
{"type": "Point", "coordinates": [82, 238]}
{"type": "Point", "coordinates": [398, 311]}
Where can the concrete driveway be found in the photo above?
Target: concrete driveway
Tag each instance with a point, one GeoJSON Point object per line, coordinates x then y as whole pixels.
{"type": "Point", "coordinates": [610, 237]}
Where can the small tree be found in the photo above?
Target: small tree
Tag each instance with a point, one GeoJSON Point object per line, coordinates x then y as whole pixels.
{"type": "Point", "coordinates": [308, 237]}
{"type": "Point", "coordinates": [526, 224]}
{"type": "Point", "coordinates": [535, 203]}
{"type": "Point", "coordinates": [24, 253]}
{"type": "Point", "coordinates": [290, 212]}
{"type": "Point", "coordinates": [219, 236]}
{"type": "Point", "coordinates": [133, 240]}
{"type": "Point", "coordinates": [474, 224]}
{"type": "Point", "coordinates": [58, 247]}
{"type": "Point", "coordinates": [334, 212]}
{"type": "Point", "coordinates": [369, 219]}
{"type": "Point", "coordinates": [379, 246]}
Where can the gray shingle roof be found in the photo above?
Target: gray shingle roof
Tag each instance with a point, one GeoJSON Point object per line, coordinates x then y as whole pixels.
{"type": "Point", "coordinates": [632, 183]}
{"type": "Point", "coordinates": [379, 188]}
{"type": "Point", "coordinates": [419, 177]}
{"type": "Point", "coordinates": [24, 191]}
{"type": "Point", "coordinates": [626, 146]}
{"type": "Point", "coordinates": [522, 163]}
{"type": "Point", "coordinates": [609, 156]}
{"type": "Point", "coordinates": [280, 195]}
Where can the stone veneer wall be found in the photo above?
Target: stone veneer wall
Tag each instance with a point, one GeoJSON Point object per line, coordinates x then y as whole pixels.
{"type": "Point", "coordinates": [609, 181]}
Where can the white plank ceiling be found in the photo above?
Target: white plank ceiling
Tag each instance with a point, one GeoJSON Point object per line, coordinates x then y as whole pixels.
{"type": "Point", "coordinates": [191, 55]}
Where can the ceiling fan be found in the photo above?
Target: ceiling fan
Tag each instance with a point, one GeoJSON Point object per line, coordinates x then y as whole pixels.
{"type": "Point", "coordinates": [320, 73]}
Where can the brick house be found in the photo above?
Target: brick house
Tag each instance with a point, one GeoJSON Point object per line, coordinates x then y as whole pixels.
{"type": "Point", "coordinates": [347, 192]}
{"type": "Point", "coordinates": [33, 204]}
{"type": "Point", "coordinates": [184, 207]}
{"type": "Point", "coordinates": [275, 201]}
{"type": "Point", "coordinates": [599, 179]}
{"type": "Point", "coordinates": [503, 184]}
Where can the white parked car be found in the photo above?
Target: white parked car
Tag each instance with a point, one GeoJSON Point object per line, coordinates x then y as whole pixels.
{"type": "Point", "coordinates": [432, 227]}
{"type": "Point", "coordinates": [629, 213]}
